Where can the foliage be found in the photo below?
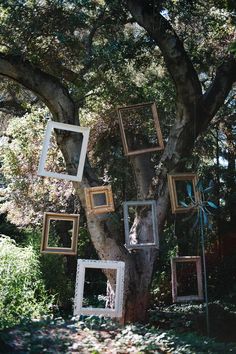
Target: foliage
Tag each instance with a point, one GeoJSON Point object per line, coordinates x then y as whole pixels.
{"type": "Point", "coordinates": [100, 336]}
{"type": "Point", "coordinates": [27, 195]}
{"type": "Point", "coordinates": [22, 291]}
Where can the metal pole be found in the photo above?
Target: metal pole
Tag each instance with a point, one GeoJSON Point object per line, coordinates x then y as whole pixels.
{"type": "Point", "coordinates": [204, 271]}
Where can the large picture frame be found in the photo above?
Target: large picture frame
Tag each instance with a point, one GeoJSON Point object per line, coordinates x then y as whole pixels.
{"type": "Point", "coordinates": [82, 265]}
{"type": "Point", "coordinates": [46, 144]}
{"type": "Point", "coordinates": [174, 279]}
{"type": "Point", "coordinates": [153, 107]}
{"type": "Point", "coordinates": [47, 218]}
{"type": "Point", "coordinates": [96, 206]}
{"type": "Point", "coordinates": [155, 241]}
{"type": "Point", "coordinates": [174, 178]}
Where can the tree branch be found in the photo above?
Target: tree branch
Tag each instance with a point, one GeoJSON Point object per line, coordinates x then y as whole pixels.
{"type": "Point", "coordinates": [218, 91]}
{"type": "Point", "coordinates": [177, 61]}
{"type": "Point", "coordinates": [12, 107]}
{"type": "Point", "coordinates": [47, 87]}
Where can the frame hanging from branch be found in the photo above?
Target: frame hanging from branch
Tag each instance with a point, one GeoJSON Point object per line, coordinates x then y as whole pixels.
{"type": "Point", "coordinates": [99, 200]}
{"type": "Point", "coordinates": [183, 191]}
{"type": "Point", "coordinates": [191, 280]}
{"type": "Point", "coordinates": [140, 219]}
{"type": "Point", "coordinates": [118, 286]}
{"type": "Point", "coordinates": [51, 127]}
{"type": "Point", "coordinates": [140, 128]}
{"type": "Point", "coordinates": [73, 240]}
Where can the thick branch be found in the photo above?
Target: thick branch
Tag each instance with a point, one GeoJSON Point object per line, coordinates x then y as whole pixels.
{"type": "Point", "coordinates": [47, 87]}
{"type": "Point", "coordinates": [218, 91]}
{"type": "Point", "coordinates": [12, 107]}
{"type": "Point", "coordinates": [177, 61]}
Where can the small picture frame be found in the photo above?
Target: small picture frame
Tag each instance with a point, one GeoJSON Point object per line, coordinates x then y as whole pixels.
{"type": "Point", "coordinates": [178, 184]}
{"type": "Point", "coordinates": [132, 135]}
{"type": "Point", "coordinates": [82, 266]}
{"type": "Point", "coordinates": [193, 281]}
{"type": "Point", "coordinates": [50, 217]}
{"type": "Point", "coordinates": [99, 200]}
{"type": "Point", "coordinates": [132, 240]}
{"type": "Point", "coordinates": [46, 145]}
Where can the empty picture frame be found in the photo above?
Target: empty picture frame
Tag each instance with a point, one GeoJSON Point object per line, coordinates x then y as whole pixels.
{"type": "Point", "coordinates": [133, 123]}
{"type": "Point", "coordinates": [84, 264]}
{"type": "Point", "coordinates": [47, 219]}
{"type": "Point", "coordinates": [178, 189]}
{"type": "Point", "coordinates": [197, 281]}
{"type": "Point", "coordinates": [132, 240]}
{"type": "Point", "coordinates": [99, 200]}
{"type": "Point", "coordinates": [46, 144]}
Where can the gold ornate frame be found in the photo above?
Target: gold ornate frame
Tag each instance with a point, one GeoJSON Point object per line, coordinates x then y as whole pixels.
{"type": "Point", "coordinates": [45, 235]}
{"type": "Point", "coordinates": [156, 124]}
{"type": "Point", "coordinates": [172, 178]}
{"type": "Point", "coordinates": [99, 209]}
{"type": "Point", "coordinates": [174, 280]}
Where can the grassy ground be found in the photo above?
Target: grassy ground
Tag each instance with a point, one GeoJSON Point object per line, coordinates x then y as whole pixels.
{"type": "Point", "coordinates": [97, 336]}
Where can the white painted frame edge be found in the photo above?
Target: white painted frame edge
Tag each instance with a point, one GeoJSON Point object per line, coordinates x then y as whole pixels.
{"type": "Point", "coordinates": [69, 127]}
{"type": "Point", "coordinates": [79, 289]}
{"type": "Point", "coordinates": [155, 242]}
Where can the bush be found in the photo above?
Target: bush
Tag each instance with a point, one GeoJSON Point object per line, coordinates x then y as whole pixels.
{"type": "Point", "coordinates": [22, 292]}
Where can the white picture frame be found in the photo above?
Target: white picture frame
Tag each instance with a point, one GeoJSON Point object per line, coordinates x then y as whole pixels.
{"type": "Point", "coordinates": [79, 288]}
{"type": "Point", "coordinates": [155, 243]}
{"type": "Point", "coordinates": [46, 144]}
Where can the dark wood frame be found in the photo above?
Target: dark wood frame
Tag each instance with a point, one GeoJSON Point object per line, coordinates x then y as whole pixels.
{"type": "Point", "coordinates": [100, 209]}
{"type": "Point", "coordinates": [172, 178]}
{"type": "Point", "coordinates": [45, 235]}
{"type": "Point", "coordinates": [174, 280]}
{"type": "Point", "coordinates": [156, 124]}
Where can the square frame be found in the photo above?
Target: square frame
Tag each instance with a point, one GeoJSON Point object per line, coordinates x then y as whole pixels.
{"type": "Point", "coordinates": [47, 217]}
{"type": "Point", "coordinates": [172, 178]}
{"type": "Point", "coordinates": [127, 152]}
{"type": "Point", "coordinates": [100, 209]}
{"type": "Point", "coordinates": [155, 242]}
{"type": "Point", "coordinates": [174, 280]}
{"type": "Point", "coordinates": [46, 143]}
{"type": "Point", "coordinates": [79, 289]}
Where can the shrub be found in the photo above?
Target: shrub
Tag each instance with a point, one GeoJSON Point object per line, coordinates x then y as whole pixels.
{"type": "Point", "coordinates": [22, 292]}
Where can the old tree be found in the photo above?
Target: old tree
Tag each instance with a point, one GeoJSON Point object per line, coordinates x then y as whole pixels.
{"type": "Point", "coordinates": [80, 50]}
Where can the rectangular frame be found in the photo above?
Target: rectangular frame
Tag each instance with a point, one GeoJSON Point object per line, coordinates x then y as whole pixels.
{"type": "Point", "coordinates": [68, 127]}
{"type": "Point", "coordinates": [47, 217]}
{"type": "Point", "coordinates": [174, 280]}
{"type": "Point", "coordinates": [156, 124]}
{"type": "Point", "coordinates": [101, 209]}
{"type": "Point", "coordinates": [172, 178]}
{"type": "Point", "coordinates": [79, 289]}
{"type": "Point", "coordinates": [155, 242]}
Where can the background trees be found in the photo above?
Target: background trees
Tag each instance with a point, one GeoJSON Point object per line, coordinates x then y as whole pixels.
{"type": "Point", "coordinates": [86, 58]}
